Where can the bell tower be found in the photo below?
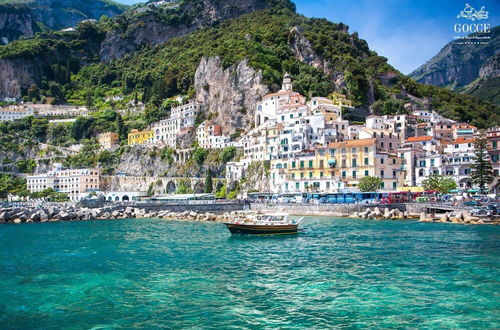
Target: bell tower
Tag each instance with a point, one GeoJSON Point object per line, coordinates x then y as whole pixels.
{"type": "Point", "coordinates": [287, 82]}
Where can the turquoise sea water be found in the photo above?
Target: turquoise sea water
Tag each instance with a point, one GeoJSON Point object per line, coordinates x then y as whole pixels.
{"type": "Point", "coordinates": [337, 273]}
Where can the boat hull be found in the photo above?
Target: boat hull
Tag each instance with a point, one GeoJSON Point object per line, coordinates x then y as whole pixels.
{"type": "Point", "coordinates": [245, 229]}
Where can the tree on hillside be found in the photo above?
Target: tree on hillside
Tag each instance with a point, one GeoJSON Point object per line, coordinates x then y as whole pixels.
{"type": "Point", "coordinates": [482, 169]}
{"type": "Point", "coordinates": [209, 182]}
{"type": "Point", "coordinates": [369, 183]}
{"type": "Point", "coordinates": [439, 183]}
{"type": "Point", "coordinates": [228, 154]}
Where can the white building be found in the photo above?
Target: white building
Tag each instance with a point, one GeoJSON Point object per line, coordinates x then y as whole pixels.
{"type": "Point", "coordinates": [210, 136]}
{"type": "Point", "coordinates": [284, 104]}
{"type": "Point", "coordinates": [77, 183]}
{"type": "Point", "coordinates": [182, 117]}
{"type": "Point", "coordinates": [235, 170]}
{"type": "Point", "coordinates": [13, 113]}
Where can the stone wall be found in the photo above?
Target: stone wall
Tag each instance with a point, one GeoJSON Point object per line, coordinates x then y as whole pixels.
{"type": "Point", "coordinates": [340, 210]}
{"type": "Point", "coordinates": [200, 208]}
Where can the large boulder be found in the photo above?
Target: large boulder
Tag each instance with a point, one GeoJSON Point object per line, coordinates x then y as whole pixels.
{"type": "Point", "coordinates": [35, 217]}
{"type": "Point", "coordinates": [43, 217]}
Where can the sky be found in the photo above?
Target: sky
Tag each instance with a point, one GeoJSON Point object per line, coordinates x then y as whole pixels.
{"type": "Point", "coordinates": [407, 32]}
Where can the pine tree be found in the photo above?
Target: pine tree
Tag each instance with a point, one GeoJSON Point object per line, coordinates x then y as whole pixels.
{"type": "Point", "coordinates": [482, 169]}
{"type": "Point", "coordinates": [209, 182]}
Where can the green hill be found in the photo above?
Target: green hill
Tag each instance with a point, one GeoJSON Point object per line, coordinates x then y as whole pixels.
{"type": "Point", "coordinates": [322, 57]}
{"type": "Point", "coordinates": [24, 18]}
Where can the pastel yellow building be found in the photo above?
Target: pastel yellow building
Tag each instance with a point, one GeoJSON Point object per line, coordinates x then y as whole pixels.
{"type": "Point", "coordinates": [340, 100]}
{"type": "Point", "coordinates": [336, 167]}
{"type": "Point", "coordinates": [139, 137]}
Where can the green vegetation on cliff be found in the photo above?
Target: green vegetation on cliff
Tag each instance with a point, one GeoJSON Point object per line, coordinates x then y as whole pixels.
{"type": "Point", "coordinates": [72, 71]}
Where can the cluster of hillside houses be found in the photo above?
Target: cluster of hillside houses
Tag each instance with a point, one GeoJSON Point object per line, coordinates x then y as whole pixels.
{"type": "Point", "coordinates": [311, 147]}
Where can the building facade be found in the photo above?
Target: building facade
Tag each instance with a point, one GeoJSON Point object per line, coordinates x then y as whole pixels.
{"type": "Point", "coordinates": [140, 137]}
{"type": "Point", "coordinates": [77, 183]}
{"type": "Point", "coordinates": [108, 140]}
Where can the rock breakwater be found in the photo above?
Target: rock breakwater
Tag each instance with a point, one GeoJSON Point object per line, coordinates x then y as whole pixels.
{"type": "Point", "coordinates": [73, 213]}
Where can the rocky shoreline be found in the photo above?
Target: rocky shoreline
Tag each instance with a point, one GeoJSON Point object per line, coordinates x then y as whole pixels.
{"type": "Point", "coordinates": [18, 215]}
{"type": "Point", "coordinates": [395, 214]}
{"type": "Point", "coordinates": [71, 213]}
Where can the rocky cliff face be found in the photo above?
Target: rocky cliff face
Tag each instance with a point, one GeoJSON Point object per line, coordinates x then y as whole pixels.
{"type": "Point", "coordinates": [15, 22]}
{"type": "Point", "coordinates": [230, 94]}
{"type": "Point", "coordinates": [26, 19]}
{"type": "Point", "coordinates": [14, 75]}
{"type": "Point", "coordinates": [458, 65]}
{"type": "Point", "coordinates": [150, 29]}
{"type": "Point", "coordinates": [491, 69]}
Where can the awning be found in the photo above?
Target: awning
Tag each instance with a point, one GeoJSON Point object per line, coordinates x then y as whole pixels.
{"type": "Point", "coordinates": [332, 162]}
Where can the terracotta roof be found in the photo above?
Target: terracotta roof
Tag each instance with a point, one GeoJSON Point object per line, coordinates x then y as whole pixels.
{"type": "Point", "coordinates": [462, 140]}
{"type": "Point", "coordinates": [419, 138]}
{"type": "Point", "coordinates": [292, 93]}
{"type": "Point", "coordinates": [353, 143]}
{"type": "Point", "coordinates": [463, 126]}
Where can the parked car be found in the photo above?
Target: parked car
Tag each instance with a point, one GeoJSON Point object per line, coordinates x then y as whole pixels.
{"type": "Point", "coordinates": [493, 209]}
{"type": "Point", "coordinates": [472, 203]}
{"type": "Point", "coordinates": [480, 211]}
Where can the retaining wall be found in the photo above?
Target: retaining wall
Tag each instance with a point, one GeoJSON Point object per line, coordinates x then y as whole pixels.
{"type": "Point", "coordinates": [200, 208]}
{"type": "Point", "coordinates": [332, 209]}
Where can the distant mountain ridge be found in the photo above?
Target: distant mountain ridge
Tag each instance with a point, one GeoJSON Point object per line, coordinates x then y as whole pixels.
{"type": "Point", "coordinates": [23, 18]}
{"type": "Point", "coordinates": [472, 69]}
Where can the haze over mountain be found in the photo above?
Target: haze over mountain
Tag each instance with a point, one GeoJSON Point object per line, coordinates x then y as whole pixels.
{"type": "Point", "coordinates": [472, 69]}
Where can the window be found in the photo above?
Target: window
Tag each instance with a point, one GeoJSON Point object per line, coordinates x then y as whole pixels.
{"type": "Point", "coordinates": [382, 173]}
{"type": "Point", "coordinates": [301, 164]}
{"type": "Point", "coordinates": [354, 150]}
{"type": "Point", "coordinates": [393, 174]}
{"type": "Point", "coordinates": [321, 174]}
{"type": "Point", "coordinates": [343, 174]}
{"type": "Point", "coordinates": [354, 174]}
{"type": "Point", "coordinates": [432, 162]}
{"type": "Point", "coordinates": [394, 185]}
{"type": "Point", "coordinates": [344, 164]}
{"type": "Point", "coordinates": [297, 186]}
{"type": "Point", "coordinates": [381, 160]}
{"type": "Point", "coordinates": [310, 174]}
{"type": "Point", "coordinates": [332, 152]}
{"type": "Point", "coordinates": [310, 164]}
{"type": "Point", "coordinates": [354, 163]}
{"type": "Point", "coordinates": [456, 146]}
{"type": "Point", "coordinates": [367, 173]}
{"type": "Point", "coordinates": [321, 163]}
{"type": "Point", "coordinates": [366, 149]}
{"type": "Point", "coordinates": [293, 164]}
{"type": "Point", "coordinates": [301, 175]}
{"type": "Point", "coordinates": [367, 162]}
{"type": "Point", "coordinates": [293, 175]}
{"type": "Point", "coordinates": [343, 151]}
